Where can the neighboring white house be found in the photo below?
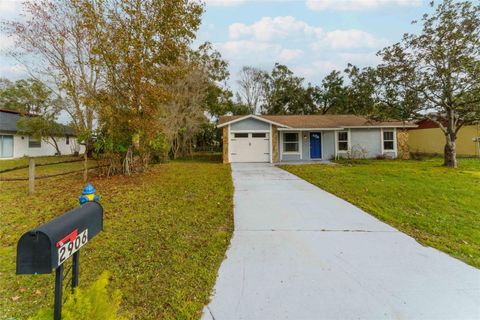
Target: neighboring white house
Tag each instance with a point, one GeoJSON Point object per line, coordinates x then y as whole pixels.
{"type": "Point", "coordinates": [15, 145]}
{"type": "Point", "coordinates": [284, 138]}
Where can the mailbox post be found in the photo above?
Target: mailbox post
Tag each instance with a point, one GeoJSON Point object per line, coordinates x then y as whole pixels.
{"type": "Point", "coordinates": [47, 247]}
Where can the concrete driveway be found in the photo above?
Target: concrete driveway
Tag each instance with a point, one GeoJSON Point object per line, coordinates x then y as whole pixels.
{"type": "Point", "coordinates": [299, 252]}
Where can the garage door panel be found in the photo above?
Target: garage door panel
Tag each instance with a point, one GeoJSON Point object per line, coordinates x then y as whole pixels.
{"type": "Point", "coordinates": [250, 147]}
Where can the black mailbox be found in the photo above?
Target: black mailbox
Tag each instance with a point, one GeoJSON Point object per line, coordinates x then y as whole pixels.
{"type": "Point", "coordinates": [45, 248]}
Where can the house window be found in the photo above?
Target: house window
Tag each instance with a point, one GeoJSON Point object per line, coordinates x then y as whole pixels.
{"type": "Point", "coordinates": [67, 140]}
{"type": "Point", "coordinates": [342, 140]}
{"type": "Point", "coordinates": [259, 135]}
{"type": "Point", "coordinates": [240, 135]}
{"type": "Point", "coordinates": [388, 140]}
{"type": "Point", "coordinates": [290, 142]}
{"type": "Point", "coordinates": [34, 143]}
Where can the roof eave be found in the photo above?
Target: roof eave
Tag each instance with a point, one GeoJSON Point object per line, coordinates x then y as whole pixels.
{"type": "Point", "coordinates": [310, 129]}
{"type": "Point", "coordinates": [382, 126]}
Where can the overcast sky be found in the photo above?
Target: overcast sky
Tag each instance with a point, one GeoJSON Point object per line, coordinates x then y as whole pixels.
{"type": "Point", "coordinates": [312, 37]}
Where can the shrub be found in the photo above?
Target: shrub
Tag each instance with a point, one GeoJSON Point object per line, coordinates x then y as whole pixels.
{"type": "Point", "coordinates": [159, 149]}
{"type": "Point", "coordinates": [93, 303]}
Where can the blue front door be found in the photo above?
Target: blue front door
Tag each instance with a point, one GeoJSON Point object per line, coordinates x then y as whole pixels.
{"type": "Point", "coordinates": [315, 145]}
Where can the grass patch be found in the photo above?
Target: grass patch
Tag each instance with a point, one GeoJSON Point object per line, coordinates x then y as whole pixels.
{"type": "Point", "coordinates": [438, 206]}
{"type": "Point", "coordinates": [165, 235]}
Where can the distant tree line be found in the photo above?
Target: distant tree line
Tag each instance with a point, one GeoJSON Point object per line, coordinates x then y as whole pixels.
{"type": "Point", "coordinates": [435, 75]}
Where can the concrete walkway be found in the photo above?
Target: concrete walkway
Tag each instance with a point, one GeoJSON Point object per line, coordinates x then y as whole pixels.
{"type": "Point", "coordinates": [299, 252]}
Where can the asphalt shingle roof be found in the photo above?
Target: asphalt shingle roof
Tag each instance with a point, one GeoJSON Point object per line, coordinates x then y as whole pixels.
{"type": "Point", "coordinates": [322, 121]}
{"type": "Point", "coordinates": [8, 122]}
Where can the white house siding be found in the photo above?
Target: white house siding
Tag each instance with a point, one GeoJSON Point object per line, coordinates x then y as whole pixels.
{"type": "Point", "coordinates": [21, 149]}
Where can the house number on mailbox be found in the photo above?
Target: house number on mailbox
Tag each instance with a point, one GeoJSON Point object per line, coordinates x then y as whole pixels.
{"type": "Point", "coordinates": [73, 245]}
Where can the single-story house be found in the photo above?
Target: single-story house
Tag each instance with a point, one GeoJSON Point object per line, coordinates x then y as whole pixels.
{"type": "Point", "coordinates": [428, 138]}
{"type": "Point", "coordinates": [15, 145]}
{"type": "Point", "coordinates": [283, 138]}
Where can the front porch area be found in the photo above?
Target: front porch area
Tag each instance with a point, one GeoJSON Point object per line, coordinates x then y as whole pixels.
{"type": "Point", "coordinates": [305, 146]}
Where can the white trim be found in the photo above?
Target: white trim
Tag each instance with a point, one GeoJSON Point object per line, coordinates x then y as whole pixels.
{"type": "Point", "coordinates": [344, 128]}
{"type": "Point", "coordinates": [335, 140]}
{"type": "Point", "coordinates": [249, 131]}
{"type": "Point", "coordinates": [248, 117]}
{"type": "Point", "coordinates": [321, 145]}
{"type": "Point", "coordinates": [349, 142]}
{"type": "Point", "coordinates": [299, 141]}
{"type": "Point", "coordinates": [229, 144]}
{"type": "Point", "coordinates": [394, 150]}
{"type": "Point", "coordinates": [281, 146]}
{"type": "Point", "coordinates": [270, 146]}
{"type": "Point", "coordinates": [378, 127]}
{"type": "Point", "coordinates": [310, 129]}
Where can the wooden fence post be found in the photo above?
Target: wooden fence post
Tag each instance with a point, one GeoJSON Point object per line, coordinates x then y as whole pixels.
{"type": "Point", "coordinates": [31, 176]}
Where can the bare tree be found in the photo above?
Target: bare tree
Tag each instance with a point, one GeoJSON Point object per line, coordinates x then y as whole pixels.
{"type": "Point", "coordinates": [184, 113]}
{"type": "Point", "coordinates": [251, 87]}
{"type": "Point", "coordinates": [53, 44]}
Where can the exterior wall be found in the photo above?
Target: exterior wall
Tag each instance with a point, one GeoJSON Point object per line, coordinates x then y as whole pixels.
{"type": "Point", "coordinates": [402, 144]}
{"type": "Point", "coordinates": [21, 149]}
{"type": "Point", "coordinates": [432, 140]}
{"type": "Point", "coordinates": [366, 140]}
{"type": "Point", "coordinates": [305, 141]}
{"type": "Point", "coordinates": [250, 125]}
{"type": "Point", "coordinates": [291, 157]}
{"type": "Point", "coordinates": [328, 145]}
{"type": "Point", "coordinates": [225, 144]}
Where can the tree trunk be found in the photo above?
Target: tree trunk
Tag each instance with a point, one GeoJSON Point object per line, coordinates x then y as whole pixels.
{"type": "Point", "coordinates": [450, 151]}
{"type": "Point", "coordinates": [85, 164]}
{"type": "Point", "coordinates": [56, 146]}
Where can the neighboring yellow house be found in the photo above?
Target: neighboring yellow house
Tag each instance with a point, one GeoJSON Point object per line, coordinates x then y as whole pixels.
{"type": "Point", "coordinates": [428, 138]}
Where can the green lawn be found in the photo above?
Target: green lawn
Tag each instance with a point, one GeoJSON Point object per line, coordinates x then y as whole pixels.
{"type": "Point", "coordinates": [439, 207]}
{"type": "Point", "coordinates": [165, 234]}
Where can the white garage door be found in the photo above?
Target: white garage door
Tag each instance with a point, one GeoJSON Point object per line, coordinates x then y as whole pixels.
{"type": "Point", "coordinates": [249, 147]}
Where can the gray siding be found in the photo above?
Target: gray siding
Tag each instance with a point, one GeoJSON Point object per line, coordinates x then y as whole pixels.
{"type": "Point", "coordinates": [366, 140]}
{"type": "Point", "coordinates": [250, 124]}
{"type": "Point", "coordinates": [305, 145]}
{"type": "Point", "coordinates": [389, 154]}
{"type": "Point", "coordinates": [291, 157]}
{"type": "Point", "coordinates": [328, 145]}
